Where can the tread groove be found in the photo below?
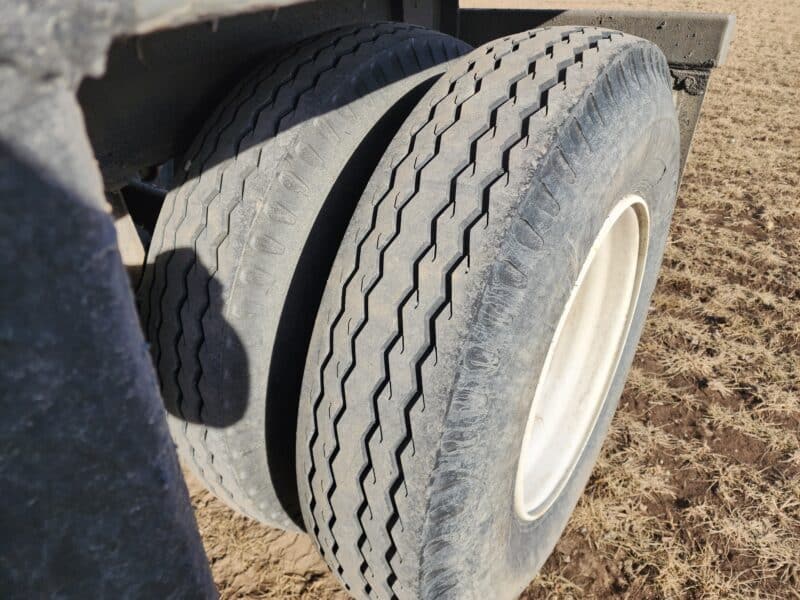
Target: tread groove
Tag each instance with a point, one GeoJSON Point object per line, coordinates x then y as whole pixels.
{"type": "Point", "coordinates": [181, 354]}
{"type": "Point", "coordinates": [398, 485]}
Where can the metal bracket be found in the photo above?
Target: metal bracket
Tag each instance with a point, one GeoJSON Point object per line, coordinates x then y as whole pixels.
{"type": "Point", "coordinates": [436, 14]}
{"type": "Point", "coordinates": [694, 43]}
{"type": "Point", "coordinates": [688, 90]}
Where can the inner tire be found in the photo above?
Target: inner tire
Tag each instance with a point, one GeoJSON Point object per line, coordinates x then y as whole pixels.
{"type": "Point", "coordinates": [244, 242]}
{"type": "Point", "coordinates": [444, 300]}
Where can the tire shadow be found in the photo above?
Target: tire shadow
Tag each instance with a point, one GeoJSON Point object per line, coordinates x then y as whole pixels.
{"type": "Point", "coordinates": [201, 317]}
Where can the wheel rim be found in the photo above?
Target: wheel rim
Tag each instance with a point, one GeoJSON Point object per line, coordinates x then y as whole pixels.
{"type": "Point", "coordinates": [583, 358]}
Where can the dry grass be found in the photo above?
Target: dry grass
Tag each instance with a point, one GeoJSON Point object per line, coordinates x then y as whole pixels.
{"type": "Point", "coordinates": [697, 493]}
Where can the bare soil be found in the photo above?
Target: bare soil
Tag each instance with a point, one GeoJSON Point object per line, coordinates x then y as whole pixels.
{"type": "Point", "coordinates": [697, 493]}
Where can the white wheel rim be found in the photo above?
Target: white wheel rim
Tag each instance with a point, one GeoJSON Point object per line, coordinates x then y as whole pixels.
{"type": "Point", "coordinates": [583, 358]}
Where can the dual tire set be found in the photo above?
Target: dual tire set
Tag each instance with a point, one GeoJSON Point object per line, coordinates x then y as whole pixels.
{"type": "Point", "coordinates": [395, 292]}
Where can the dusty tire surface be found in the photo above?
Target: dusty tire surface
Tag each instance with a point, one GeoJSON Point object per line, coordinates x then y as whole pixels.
{"type": "Point", "coordinates": [244, 243]}
{"type": "Point", "coordinates": [443, 298]}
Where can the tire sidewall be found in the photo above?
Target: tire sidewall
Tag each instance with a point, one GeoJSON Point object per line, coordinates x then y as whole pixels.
{"type": "Point", "coordinates": [269, 250]}
{"type": "Point", "coordinates": [636, 151]}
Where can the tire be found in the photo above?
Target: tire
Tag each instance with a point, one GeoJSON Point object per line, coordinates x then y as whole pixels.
{"type": "Point", "coordinates": [244, 243]}
{"type": "Point", "coordinates": [444, 298]}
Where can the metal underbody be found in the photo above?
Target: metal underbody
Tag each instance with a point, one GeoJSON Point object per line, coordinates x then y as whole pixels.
{"type": "Point", "coordinates": [158, 87]}
{"type": "Point", "coordinates": [94, 502]}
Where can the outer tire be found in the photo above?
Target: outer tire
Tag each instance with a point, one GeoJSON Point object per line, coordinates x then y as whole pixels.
{"type": "Point", "coordinates": [243, 246]}
{"type": "Point", "coordinates": [443, 300]}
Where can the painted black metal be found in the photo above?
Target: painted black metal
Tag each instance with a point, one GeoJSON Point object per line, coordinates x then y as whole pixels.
{"type": "Point", "coordinates": [441, 15]}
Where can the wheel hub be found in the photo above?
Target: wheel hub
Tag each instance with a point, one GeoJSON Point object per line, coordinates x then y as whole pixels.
{"type": "Point", "coordinates": [582, 359]}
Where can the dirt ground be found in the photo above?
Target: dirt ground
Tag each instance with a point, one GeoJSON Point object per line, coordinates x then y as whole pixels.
{"type": "Point", "coordinates": [697, 493]}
